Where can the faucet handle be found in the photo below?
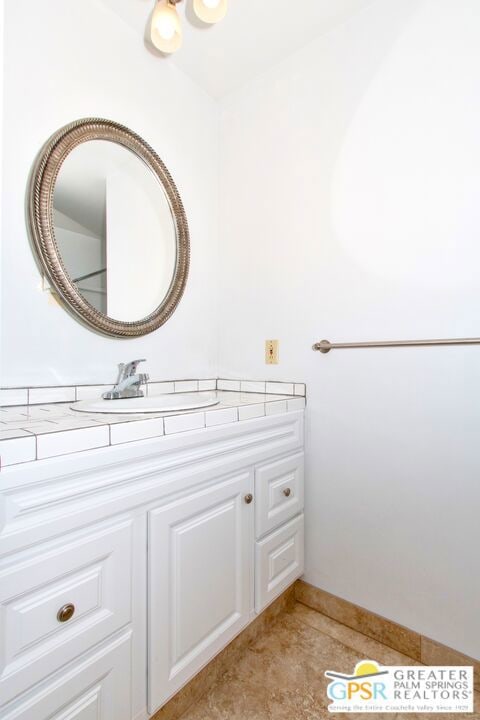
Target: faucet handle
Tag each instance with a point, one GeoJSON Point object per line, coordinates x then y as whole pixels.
{"type": "Point", "coordinates": [131, 367]}
{"type": "Point", "coordinates": [121, 371]}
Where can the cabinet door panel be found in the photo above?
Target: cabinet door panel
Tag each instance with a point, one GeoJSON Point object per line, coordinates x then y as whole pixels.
{"type": "Point", "coordinates": [200, 563]}
{"type": "Point", "coordinates": [96, 688]}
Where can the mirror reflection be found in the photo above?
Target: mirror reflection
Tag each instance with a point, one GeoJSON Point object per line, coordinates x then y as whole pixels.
{"type": "Point", "coordinates": [114, 230]}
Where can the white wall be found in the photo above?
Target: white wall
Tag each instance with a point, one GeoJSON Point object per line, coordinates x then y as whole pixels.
{"type": "Point", "coordinates": [350, 211]}
{"type": "Point", "coordinates": [2, 38]}
{"type": "Point", "coordinates": [65, 60]}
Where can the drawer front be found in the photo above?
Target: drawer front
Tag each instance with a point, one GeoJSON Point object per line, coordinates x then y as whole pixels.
{"type": "Point", "coordinates": [61, 599]}
{"type": "Point", "coordinates": [278, 492]}
{"type": "Point", "coordinates": [278, 562]}
{"type": "Point", "coordinates": [96, 688]}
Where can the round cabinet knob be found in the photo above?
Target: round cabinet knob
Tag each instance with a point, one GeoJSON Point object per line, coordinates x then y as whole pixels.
{"type": "Point", "coordinates": [248, 498]}
{"type": "Point", "coordinates": [287, 492]}
{"type": "Point", "coordinates": [65, 612]}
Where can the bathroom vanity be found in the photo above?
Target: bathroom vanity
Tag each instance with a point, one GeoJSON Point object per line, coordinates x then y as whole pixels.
{"type": "Point", "coordinates": [135, 547]}
{"type": "Point", "coordinates": [125, 569]}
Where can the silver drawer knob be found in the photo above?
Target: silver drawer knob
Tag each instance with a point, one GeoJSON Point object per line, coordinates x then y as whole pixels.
{"type": "Point", "coordinates": [65, 612]}
{"type": "Point", "coordinates": [248, 498]}
{"type": "Point", "coordinates": [287, 492]}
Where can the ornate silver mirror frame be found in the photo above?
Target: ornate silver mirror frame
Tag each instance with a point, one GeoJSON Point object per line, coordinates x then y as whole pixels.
{"type": "Point", "coordinates": [40, 206]}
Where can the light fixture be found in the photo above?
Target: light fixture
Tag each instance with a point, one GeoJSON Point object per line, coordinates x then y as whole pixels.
{"type": "Point", "coordinates": [166, 30]}
{"type": "Point", "coordinates": [210, 11]}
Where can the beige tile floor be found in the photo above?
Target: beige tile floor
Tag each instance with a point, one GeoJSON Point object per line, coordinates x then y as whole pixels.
{"type": "Point", "coordinates": [280, 676]}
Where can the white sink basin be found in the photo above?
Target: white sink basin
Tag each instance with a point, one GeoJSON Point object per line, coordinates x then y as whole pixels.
{"type": "Point", "coordinates": [158, 403]}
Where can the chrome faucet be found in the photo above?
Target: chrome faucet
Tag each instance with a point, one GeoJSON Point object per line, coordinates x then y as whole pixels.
{"type": "Point", "coordinates": [128, 382]}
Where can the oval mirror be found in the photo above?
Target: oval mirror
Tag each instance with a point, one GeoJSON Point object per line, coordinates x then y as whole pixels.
{"type": "Point", "coordinates": [109, 228]}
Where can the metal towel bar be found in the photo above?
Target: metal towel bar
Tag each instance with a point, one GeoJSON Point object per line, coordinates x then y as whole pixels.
{"type": "Point", "coordinates": [324, 346]}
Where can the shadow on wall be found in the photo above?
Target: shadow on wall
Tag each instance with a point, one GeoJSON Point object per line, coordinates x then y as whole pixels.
{"type": "Point", "coordinates": [414, 136]}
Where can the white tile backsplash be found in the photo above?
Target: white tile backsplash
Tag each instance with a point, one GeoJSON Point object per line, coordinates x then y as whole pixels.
{"type": "Point", "coordinates": [70, 441]}
{"type": "Point", "coordinates": [252, 386]}
{"type": "Point", "coordinates": [37, 396]}
{"type": "Point", "coordinates": [137, 430]}
{"type": "Point", "coordinates": [232, 385]}
{"type": "Point", "coordinates": [54, 394]}
{"type": "Point", "coordinates": [160, 388]}
{"type": "Point", "coordinates": [183, 423]}
{"type": "Point", "coordinates": [18, 450]}
{"type": "Point", "coordinates": [221, 417]}
{"type": "Point", "coordinates": [279, 388]}
{"type": "Point", "coordinates": [91, 392]}
{"type": "Point", "coordinates": [186, 385]}
{"type": "Point", "coordinates": [207, 384]}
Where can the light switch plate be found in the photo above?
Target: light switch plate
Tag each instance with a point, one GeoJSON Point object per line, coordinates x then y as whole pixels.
{"type": "Point", "coordinates": [271, 352]}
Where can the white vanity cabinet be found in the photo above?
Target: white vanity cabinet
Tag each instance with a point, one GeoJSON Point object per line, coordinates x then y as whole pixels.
{"type": "Point", "coordinates": [124, 571]}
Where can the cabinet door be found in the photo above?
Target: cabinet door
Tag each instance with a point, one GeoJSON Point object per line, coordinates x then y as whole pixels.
{"type": "Point", "coordinates": [200, 581]}
{"type": "Point", "coordinates": [96, 688]}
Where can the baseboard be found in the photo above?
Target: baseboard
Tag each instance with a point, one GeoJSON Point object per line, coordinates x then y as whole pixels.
{"type": "Point", "coordinates": [205, 679]}
{"type": "Point", "coordinates": [398, 637]}
{"type": "Point", "coordinates": [143, 715]}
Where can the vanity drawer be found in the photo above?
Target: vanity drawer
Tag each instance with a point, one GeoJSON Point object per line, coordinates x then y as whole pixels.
{"type": "Point", "coordinates": [59, 600]}
{"type": "Point", "coordinates": [278, 562]}
{"type": "Point", "coordinates": [278, 493]}
{"type": "Point", "coordinates": [96, 687]}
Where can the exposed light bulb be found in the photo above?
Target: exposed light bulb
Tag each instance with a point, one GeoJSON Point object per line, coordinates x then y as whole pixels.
{"type": "Point", "coordinates": [210, 11]}
{"type": "Point", "coordinates": [166, 30]}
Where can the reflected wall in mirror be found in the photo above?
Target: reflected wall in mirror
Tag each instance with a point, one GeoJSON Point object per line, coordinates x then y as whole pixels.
{"type": "Point", "coordinates": [109, 228]}
{"type": "Point", "coordinates": [114, 230]}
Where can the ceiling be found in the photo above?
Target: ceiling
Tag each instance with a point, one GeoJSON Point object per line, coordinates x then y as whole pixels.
{"type": "Point", "coordinates": [255, 35]}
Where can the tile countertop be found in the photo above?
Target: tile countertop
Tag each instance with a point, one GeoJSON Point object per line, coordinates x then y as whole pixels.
{"type": "Point", "coordinates": [37, 432]}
